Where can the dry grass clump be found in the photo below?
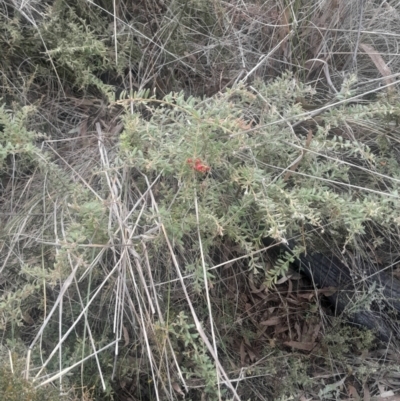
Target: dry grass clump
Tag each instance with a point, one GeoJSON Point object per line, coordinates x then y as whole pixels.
{"type": "Point", "coordinates": [147, 150]}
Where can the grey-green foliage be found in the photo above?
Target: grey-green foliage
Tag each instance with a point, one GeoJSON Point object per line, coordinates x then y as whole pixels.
{"type": "Point", "coordinates": [13, 385]}
{"type": "Point", "coordinates": [246, 139]}
{"type": "Point", "coordinates": [14, 388]}
{"type": "Point", "coordinates": [77, 49]}
{"type": "Point", "coordinates": [68, 45]}
{"type": "Point", "coordinates": [198, 364]}
{"type": "Point", "coordinates": [27, 276]}
{"type": "Point", "coordinates": [15, 139]}
{"type": "Point", "coordinates": [220, 167]}
{"type": "Point", "coordinates": [61, 47]}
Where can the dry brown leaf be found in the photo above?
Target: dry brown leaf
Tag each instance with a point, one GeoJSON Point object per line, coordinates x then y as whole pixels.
{"type": "Point", "coordinates": [252, 355]}
{"type": "Point", "coordinates": [273, 321]}
{"type": "Point", "coordinates": [307, 295]}
{"type": "Point", "coordinates": [28, 318]}
{"type": "Point", "coordinates": [282, 280]}
{"type": "Point", "coordinates": [254, 289]}
{"type": "Point", "coordinates": [317, 329]}
{"type": "Point", "coordinates": [352, 391]}
{"type": "Point", "coordinates": [242, 354]}
{"type": "Point", "coordinates": [303, 346]}
{"type": "Point", "coordinates": [261, 331]}
{"type": "Point", "coordinates": [178, 389]}
{"type": "Point", "coordinates": [294, 275]}
{"type": "Point", "coordinates": [367, 394]}
{"type": "Point", "coordinates": [280, 329]}
{"type": "Point", "coordinates": [298, 330]}
{"type": "Point", "coordinates": [328, 291]}
{"type": "Point", "coordinates": [307, 332]}
{"type": "Point", "coordinates": [290, 288]}
{"type": "Point", "coordinates": [243, 125]}
{"type": "Point", "coordinates": [126, 335]}
{"type": "Point", "coordinates": [302, 398]}
{"type": "Point", "coordinates": [294, 301]}
{"type": "Point", "coordinates": [248, 306]}
{"type": "Point", "coordinates": [380, 65]}
{"type": "Point", "coordinates": [116, 129]}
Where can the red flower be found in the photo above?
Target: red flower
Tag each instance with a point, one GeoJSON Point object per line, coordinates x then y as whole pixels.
{"type": "Point", "coordinates": [198, 165]}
